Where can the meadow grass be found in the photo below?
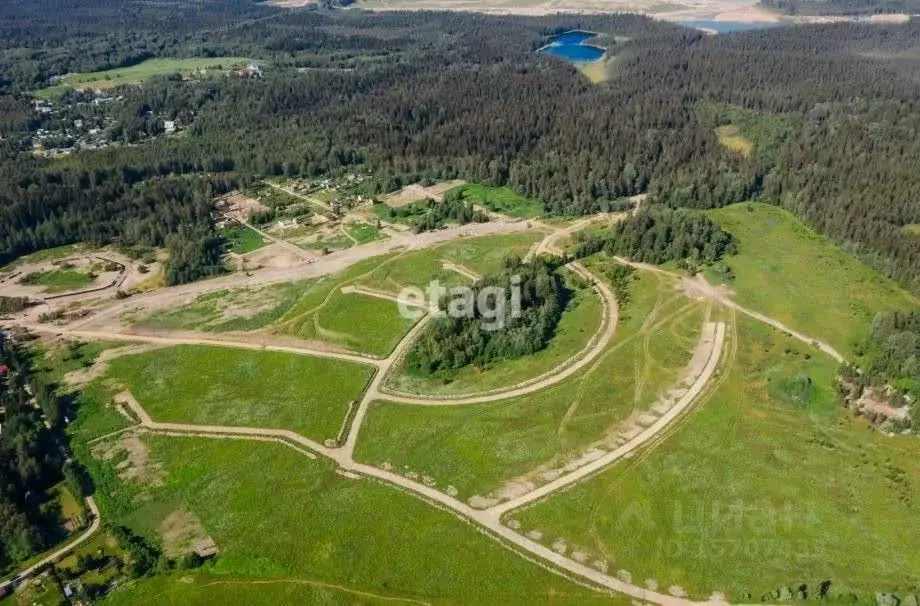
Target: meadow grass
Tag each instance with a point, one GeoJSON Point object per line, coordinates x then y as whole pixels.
{"type": "Point", "coordinates": [59, 280]}
{"type": "Point", "coordinates": [277, 516]}
{"type": "Point", "coordinates": [787, 271]}
{"type": "Point", "coordinates": [475, 448]}
{"type": "Point", "coordinates": [578, 324]}
{"type": "Point", "coordinates": [222, 386]}
{"type": "Point", "coordinates": [483, 256]}
{"type": "Point", "coordinates": [760, 489]}
{"type": "Point", "coordinates": [502, 200]}
{"type": "Point", "coordinates": [136, 74]}
{"type": "Point", "coordinates": [364, 232]}
{"type": "Point", "coordinates": [242, 240]}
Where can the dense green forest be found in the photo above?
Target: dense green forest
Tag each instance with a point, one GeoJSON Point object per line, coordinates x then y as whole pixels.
{"type": "Point", "coordinates": [659, 234]}
{"type": "Point", "coordinates": [450, 95]}
{"type": "Point", "coordinates": [32, 458]}
{"type": "Point", "coordinates": [518, 320]}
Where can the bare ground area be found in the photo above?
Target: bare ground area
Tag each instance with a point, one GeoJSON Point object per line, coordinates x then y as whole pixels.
{"type": "Point", "coordinates": [411, 193]}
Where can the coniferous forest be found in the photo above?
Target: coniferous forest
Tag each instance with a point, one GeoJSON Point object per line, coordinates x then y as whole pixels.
{"type": "Point", "coordinates": [405, 96]}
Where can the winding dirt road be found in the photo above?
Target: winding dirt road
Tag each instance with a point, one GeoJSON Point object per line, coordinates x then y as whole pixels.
{"type": "Point", "coordinates": [487, 519]}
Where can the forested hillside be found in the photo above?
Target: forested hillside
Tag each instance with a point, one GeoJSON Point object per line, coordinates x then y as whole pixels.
{"type": "Point", "coordinates": [451, 95]}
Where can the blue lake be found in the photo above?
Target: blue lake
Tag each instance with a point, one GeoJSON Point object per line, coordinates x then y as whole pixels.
{"type": "Point", "coordinates": [571, 46]}
{"type": "Point", "coordinates": [724, 27]}
{"type": "Point", "coordinates": [573, 37]}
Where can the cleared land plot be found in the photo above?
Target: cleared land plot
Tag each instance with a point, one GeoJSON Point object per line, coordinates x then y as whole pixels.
{"type": "Point", "coordinates": [241, 309]}
{"type": "Point", "coordinates": [136, 74]}
{"type": "Point", "coordinates": [364, 232]}
{"type": "Point", "coordinates": [277, 516]}
{"type": "Point", "coordinates": [785, 270]}
{"type": "Point", "coordinates": [730, 136]}
{"type": "Point", "coordinates": [478, 448]}
{"type": "Point", "coordinates": [771, 475]}
{"type": "Point", "coordinates": [222, 386]}
{"type": "Point", "coordinates": [578, 324]}
{"type": "Point", "coordinates": [503, 200]}
{"type": "Point", "coordinates": [415, 192]}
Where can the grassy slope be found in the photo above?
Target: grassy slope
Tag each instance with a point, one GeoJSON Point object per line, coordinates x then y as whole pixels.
{"type": "Point", "coordinates": [242, 240]}
{"type": "Point", "coordinates": [136, 74]}
{"type": "Point", "coordinates": [206, 312]}
{"type": "Point", "coordinates": [475, 448]}
{"type": "Point", "coordinates": [576, 327]}
{"type": "Point", "coordinates": [788, 272]}
{"type": "Point", "coordinates": [787, 489]}
{"type": "Point", "coordinates": [481, 255]}
{"type": "Point", "coordinates": [503, 200]}
{"type": "Point", "coordinates": [221, 386]}
{"type": "Point", "coordinates": [277, 515]}
{"type": "Point", "coordinates": [59, 280]}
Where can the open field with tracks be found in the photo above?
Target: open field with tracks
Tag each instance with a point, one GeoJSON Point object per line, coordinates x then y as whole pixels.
{"type": "Point", "coordinates": [752, 478]}
{"type": "Point", "coordinates": [219, 386]}
{"type": "Point", "coordinates": [785, 270]}
{"type": "Point", "coordinates": [476, 448]}
{"type": "Point", "coordinates": [636, 458]}
{"type": "Point", "coordinates": [278, 517]}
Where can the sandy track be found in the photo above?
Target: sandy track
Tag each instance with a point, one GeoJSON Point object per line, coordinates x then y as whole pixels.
{"type": "Point", "coordinates": [490, 519]}
{"type": "Point", "coordinates": [704, 289]}
{"type": "Point", "coordinates": [323, 266]}
{"type": "Point", "coordinates": [714, 334]}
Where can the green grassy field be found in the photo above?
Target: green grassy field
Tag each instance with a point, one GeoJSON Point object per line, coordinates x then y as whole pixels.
{"type": "Point", "coordinates": [222, 386]}
{"type": "Point", "coordinates": [364, 232]}
{"type": "Point", "coordinates": [503, 200]}
{"type": "Point", "coordinates": [578, 324]}
{"type": "Point", "coordinates": [290, 527]}
{"type": "Point", "coordinates": [787, 271]}
{"type": "Point", "coordinates": [242, 240]}
{"type": "Point", "coordinates": [475, 448]}
{"type": "Point", "coordinates": [59, 280]}
{"type": "Point", "coordinates": [771, 475]}
{"type": "Point", "coordinates": [480, 255]}
{"type": "Point", "coordinates": [136, 74]}
{"type": "Point", "coordinates": [243, 309]}
{"type": "Point", "coordinates": [370, 325]}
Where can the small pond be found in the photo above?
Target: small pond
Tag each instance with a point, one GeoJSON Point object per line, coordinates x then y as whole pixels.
{"type": "Point", "coordinates": [571, 46]}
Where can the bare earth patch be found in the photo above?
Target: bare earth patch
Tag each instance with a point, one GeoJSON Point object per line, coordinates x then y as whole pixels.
{"type": "Point", "coordinates": [183, 533]}
{"type": "Point", "coordinates": [135, 465]}
{"type": "Point", "coordinates": [411, 193]}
